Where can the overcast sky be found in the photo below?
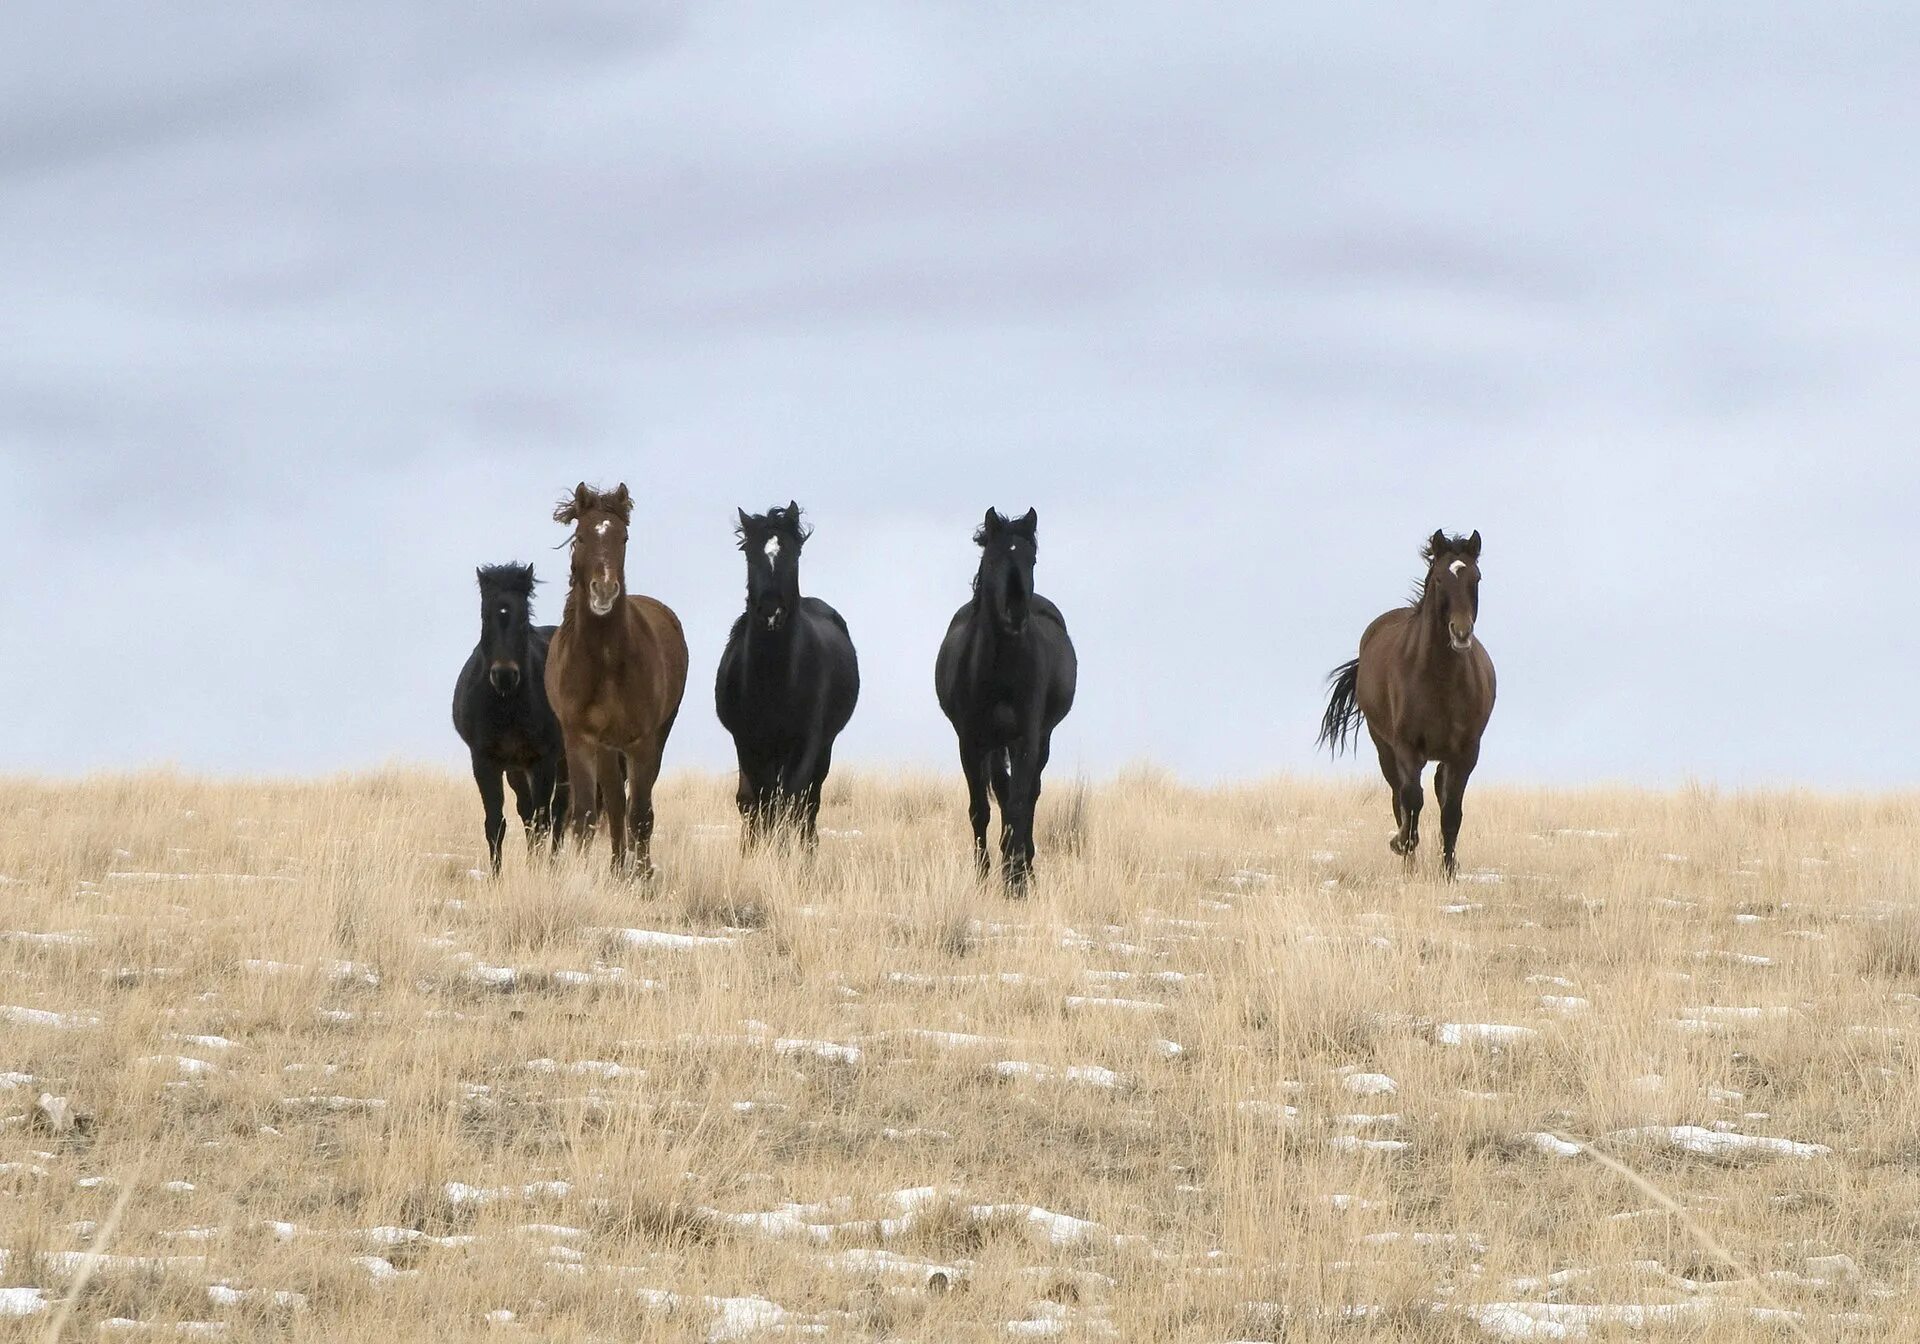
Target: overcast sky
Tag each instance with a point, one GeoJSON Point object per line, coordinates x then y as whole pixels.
{"type": "Point", "coordinates": [306, 310]}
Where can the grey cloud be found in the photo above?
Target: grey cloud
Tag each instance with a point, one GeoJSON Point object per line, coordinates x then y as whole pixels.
{"type": "Point", "coordinates": [316, 309]}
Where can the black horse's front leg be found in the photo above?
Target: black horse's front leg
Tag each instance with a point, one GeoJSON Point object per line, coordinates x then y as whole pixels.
{"type": "Point", "coordinates": [973, 762]}
{"type": "Point", "coordinates": [493, 798]}
{"type": "Point", "coordinates": [1026, 759]}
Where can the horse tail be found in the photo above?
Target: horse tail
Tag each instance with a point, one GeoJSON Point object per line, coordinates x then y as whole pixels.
{"type": "Point", "coordinates": [1340, 725]}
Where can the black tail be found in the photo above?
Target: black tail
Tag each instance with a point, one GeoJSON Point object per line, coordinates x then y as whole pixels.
{"type": "Point", "coordinates": [1340, 725]}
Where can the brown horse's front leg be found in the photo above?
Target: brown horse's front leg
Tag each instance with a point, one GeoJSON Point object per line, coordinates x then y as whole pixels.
{"type": "Point", "coordinates": [613, 801]}
{"type": "Point", "coordinates": [1450, 786]}
{"type": "Point", "coordinates": [1409, 797]}
{"type": "Point", "coordinates": [643, 769]}
{"type": "Point", "coordinates": [582, 778]}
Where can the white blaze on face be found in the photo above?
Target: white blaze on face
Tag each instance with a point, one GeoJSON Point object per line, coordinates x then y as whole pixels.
{"type": "Point", "coordinates": [1456, 566]}
{"type": "Point", "coordinates": [600, 528]}
{"type": "Point", "coordinates": [773, 550]}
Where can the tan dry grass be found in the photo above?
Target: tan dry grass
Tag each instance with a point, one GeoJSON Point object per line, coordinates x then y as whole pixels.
{"type": "Point", "coordinates": [403, 1035]}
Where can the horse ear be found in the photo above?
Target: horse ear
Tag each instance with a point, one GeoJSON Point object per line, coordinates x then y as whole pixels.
{"type": "Point", "coordinates": [569, 510]}
{"type": "Point", "coordinates": [743, 517]}
{"type": "Point", "coordinates": [1437, 543]}
{"type": "Point", "coordinates": [1027, 523]}
{"type": "Point", "coordinates": [620, 501]}
{"type": "Point", "coordinates": [793, 511]}
{"type": "Point", "coordinates": [1473, 544]}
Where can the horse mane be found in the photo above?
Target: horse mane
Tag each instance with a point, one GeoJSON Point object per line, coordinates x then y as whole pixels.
{"type": "Point", "coordinates": [782, 519]}
{"type": "Point", "coordinates": [512, 578]}
{"type": "Point", "coordinates": [585, 499]}
{"type": "Point", "coordinates": [1449, 545]}
{"type": "Point", "coordinates": [1002, 522]}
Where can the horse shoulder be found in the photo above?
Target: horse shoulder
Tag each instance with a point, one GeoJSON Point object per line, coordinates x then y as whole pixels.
{"type": "Point", "coordinates": [463, 687]}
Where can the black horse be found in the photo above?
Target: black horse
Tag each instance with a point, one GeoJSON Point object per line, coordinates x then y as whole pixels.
{"type": "Point", "coordinates": [788, 680]}
{"type": "Point", "coordinates": [500, 710]}
{"type": "Point", "coordinates": [1005, 677]}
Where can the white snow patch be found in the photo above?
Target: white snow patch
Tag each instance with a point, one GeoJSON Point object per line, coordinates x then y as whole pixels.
{"type": "Point", "coordinates": [655, 938]}
{"type": "Point", "coordinates": [1489, 1033]}
{"type": "Point", "coordinates": [1090, 1075]}
{"type": "Point", "coordinates": [41, 1017]}
{"type": "Point", "coordinates": [1369, 1084]}
{"type": "Point", "coordinates": [1713, 1143]}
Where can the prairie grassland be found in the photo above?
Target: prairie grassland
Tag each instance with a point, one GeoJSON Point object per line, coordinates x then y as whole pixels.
{"type": "Point", "coordinates": [1230, 1074]}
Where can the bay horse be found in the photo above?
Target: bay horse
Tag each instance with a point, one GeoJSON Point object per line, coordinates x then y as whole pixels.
{"type": "Point", "coordinates": [501, 712]}
{"type": "Point", "coordinates": [616, 670]}
{"type": "Point", "coordinates": [788, 681]}
{"type": "Point", "coordinates": [1423, 685]}
{"type": "Point", "coordinates": [1005, 677]}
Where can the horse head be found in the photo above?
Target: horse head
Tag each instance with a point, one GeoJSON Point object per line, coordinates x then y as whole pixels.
{"type": "Point", "coordinates": [771, 541]}
{"type": "Point", "coordinates": [1453, 583]}
{"type": "Point", "coordinates": [600, 521]}
{"type": "Point", "coordinates": [1008, 550]}
{"type": "Point", "coordinates": [506, 623]}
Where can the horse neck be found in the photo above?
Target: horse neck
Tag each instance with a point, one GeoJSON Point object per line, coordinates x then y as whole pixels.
{"type": "Point", "coordinates": [768, 650]}
{"type": "Point", "coordinates": [1434, 656]}
{"type": "Point", "coordinates": [615, 628]}
{"type": "Point", "coordinates": [988, 638]}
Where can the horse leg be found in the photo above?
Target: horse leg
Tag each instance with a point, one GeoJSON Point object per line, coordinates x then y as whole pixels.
{"type": "Point", "coordinates": [525, 802]}
{"type": "Point", "coordinates": [974, 764]}
{"type": "Point", "coordinates": [559, 798]}
{"type": "Point", "coordinates": [1000, 782]}
{"type": "Point", "coordinates": [493, 798]}
{"type": "Point", "coordinates": [1390, 767]}
{"type": "Point", "coordinates": [1029, 765]}
{"type": "Point", "coordinates": [1450, 783]}
{"type": "Point", "coordinates": [799, 788]}
{"type": "Point", "coordinates": [613, 801]}
{"type": "Point", "coordinates": [816, 786]}
{"type": "Point", "coordinates": [746, 796]}
{"type": "Point", "coordinates": [643, 768]}
{"type": "Point", "coordinates": [583, 792]}
{"type": "Point", "coordinates": [1410, 802]}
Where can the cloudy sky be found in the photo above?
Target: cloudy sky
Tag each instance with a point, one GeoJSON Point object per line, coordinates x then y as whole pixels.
{"type": "Point", "coordinates": [305, 310]}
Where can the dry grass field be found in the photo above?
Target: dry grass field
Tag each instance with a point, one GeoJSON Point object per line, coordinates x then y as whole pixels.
{"type": "Point", "coordinates": [278, 1064]}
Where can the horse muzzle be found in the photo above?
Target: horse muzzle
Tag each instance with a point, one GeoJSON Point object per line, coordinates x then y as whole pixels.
{"type": "Point", "coordinates": [771, 618]}
{"type": "Point", "coordinates": [504, 677]}
{"type": "Point", "coordinates": [1461, 641]}
{"type": "Point", "coordinates": [601, 597]}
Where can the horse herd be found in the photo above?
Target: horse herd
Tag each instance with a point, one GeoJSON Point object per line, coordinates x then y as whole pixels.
{"type": "Point", "coordinates": [575, 717]}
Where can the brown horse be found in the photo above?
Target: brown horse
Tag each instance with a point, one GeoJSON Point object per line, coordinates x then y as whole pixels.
{"type": "Point", "coordinates": [1423, 685]}
{"type": "Point", "coordinates": [615, 673]}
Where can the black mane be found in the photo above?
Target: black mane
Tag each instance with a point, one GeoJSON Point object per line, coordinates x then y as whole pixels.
{"type": "Point", "coordinates": [784, 521]}
{"type": "Point", "coordinates": [509, 578]}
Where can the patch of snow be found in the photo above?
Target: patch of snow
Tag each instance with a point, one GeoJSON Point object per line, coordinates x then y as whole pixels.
{"type": "Point", "coordinates": [1489, 1033]}
{"type": "Point", "coordinates": [1091, 1075]}
{"type": "Point", "coordinates": [1552, 1144]}
{"type": "Point", "coordinates": [669, 941]}
{"type": "Point", "coordinates": [41, 1017]}
{"type": "Point", "coordinates": [1713, 1143]}
{"type": "Point", "coordinates": [1133, 1005]}
{"type": "Point", "coordinates": [23, 1301]}
{"type": "Point", "coordinates": [1369, 1084]}
{"type": "Point", "coordinates": [458, 1192]}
